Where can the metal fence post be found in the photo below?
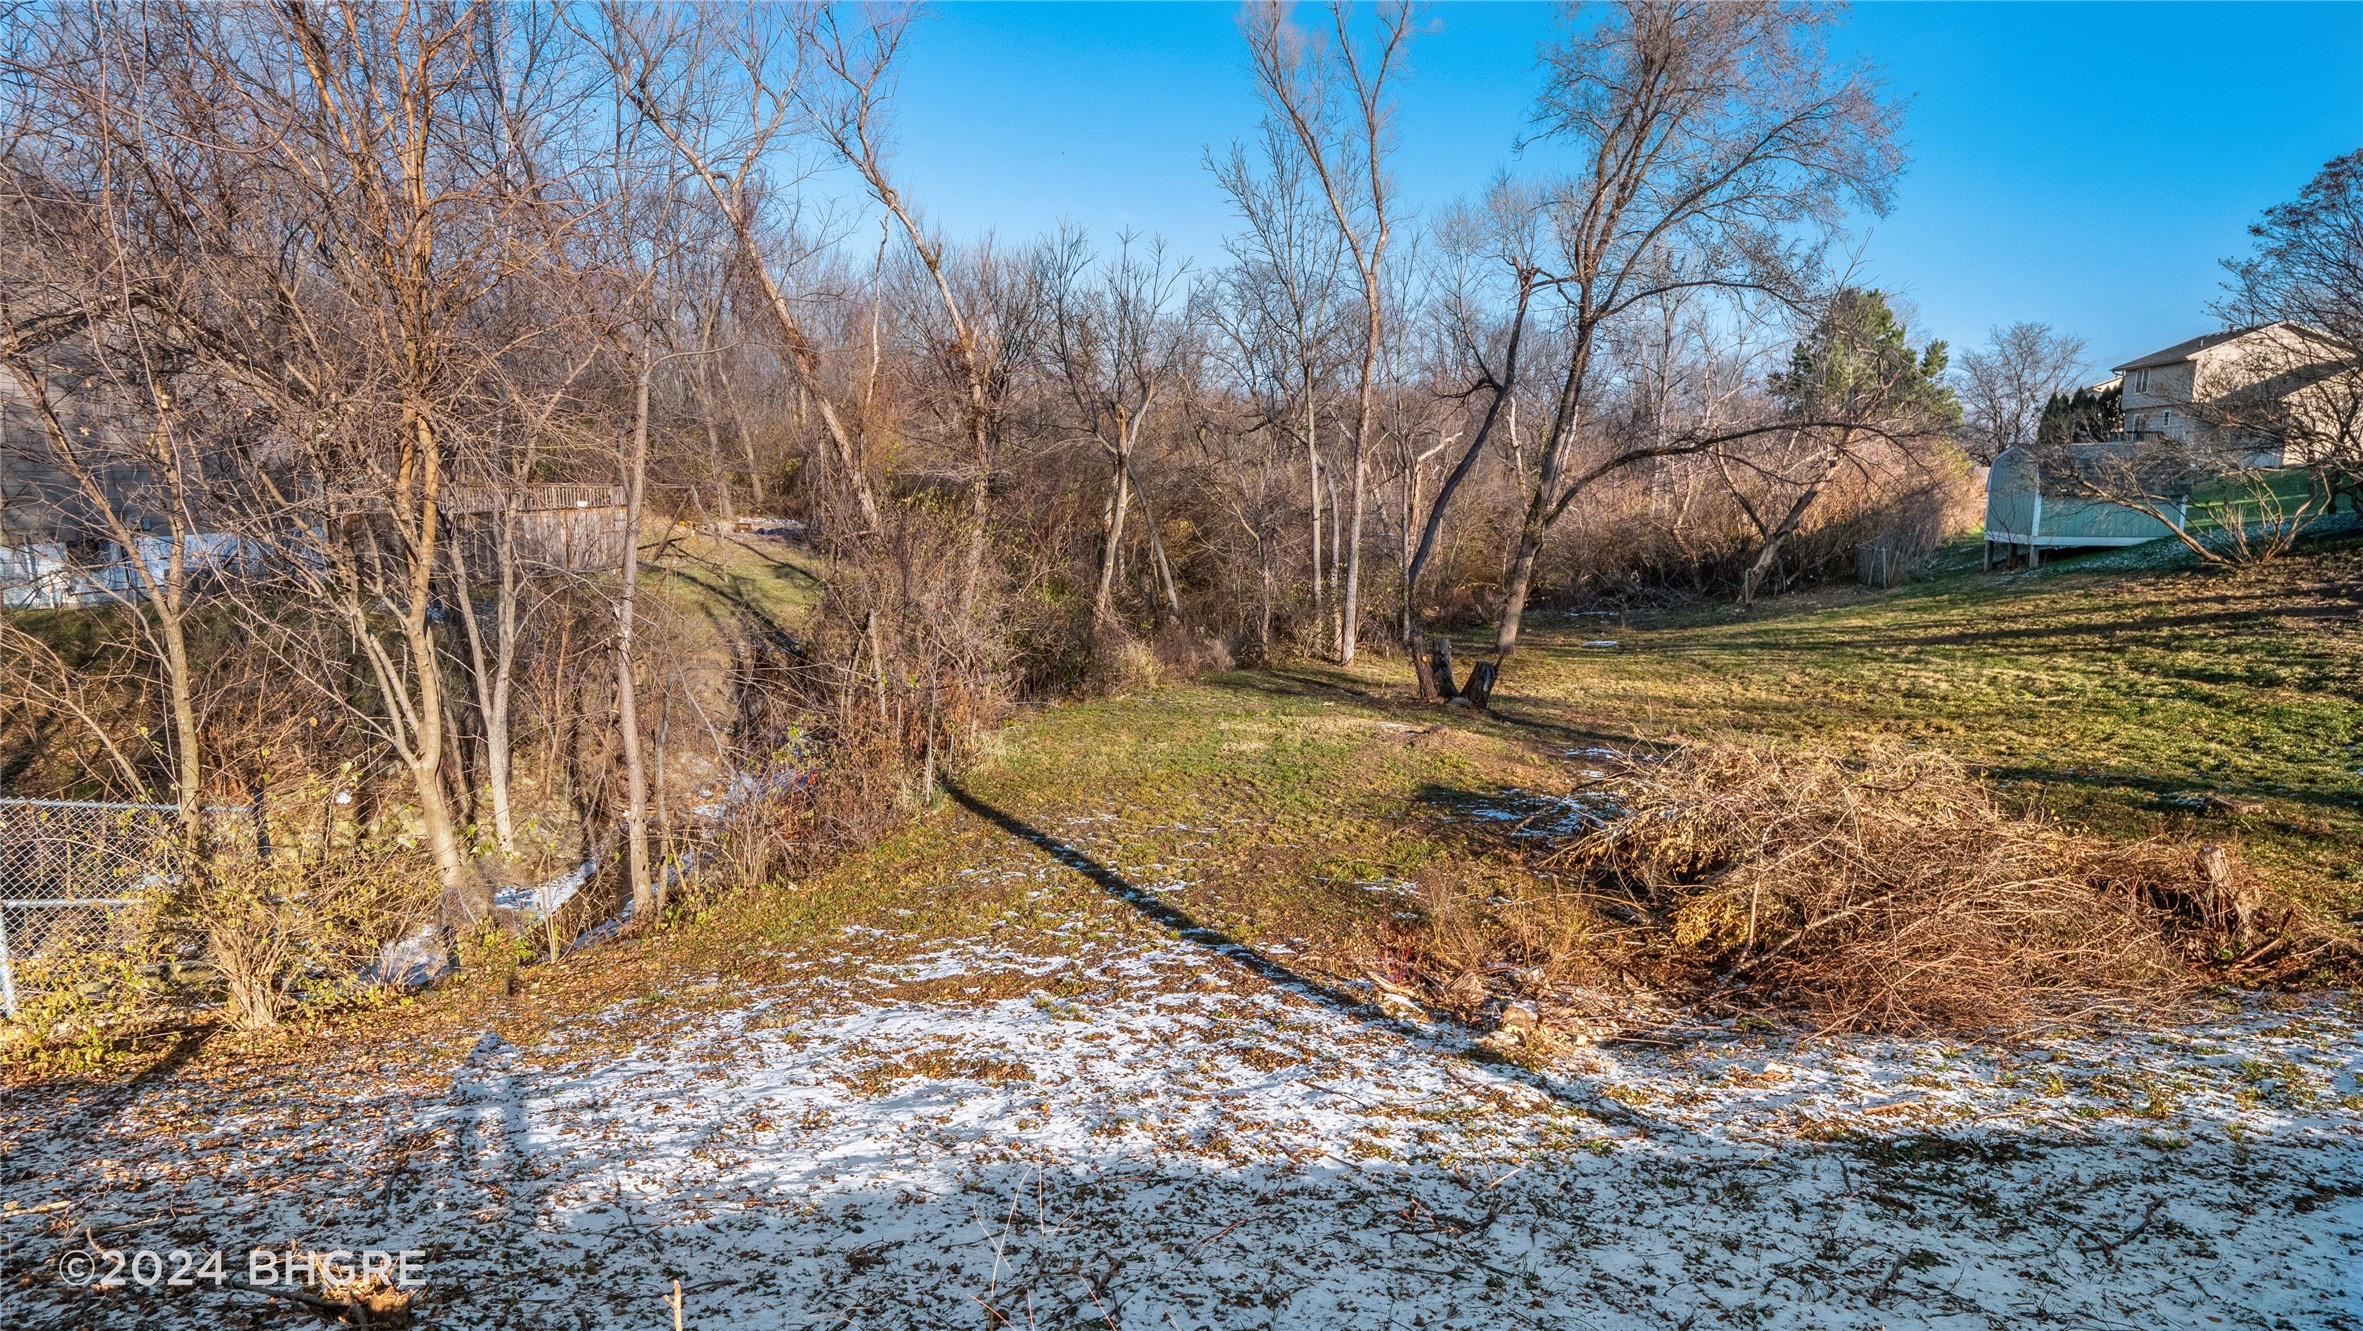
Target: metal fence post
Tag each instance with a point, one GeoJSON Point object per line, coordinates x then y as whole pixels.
{"type": "Point", "coordinates": [7, 971]}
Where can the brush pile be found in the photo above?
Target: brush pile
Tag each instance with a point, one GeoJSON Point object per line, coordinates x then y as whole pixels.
{"type": "Point", "coordinates": [1897, 893]}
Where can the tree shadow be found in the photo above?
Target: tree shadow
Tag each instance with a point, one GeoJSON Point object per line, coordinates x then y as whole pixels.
{"type": "Point", "coordinates": [1507, 712]}
{"type": "Point", "coordinates": [2098, 637]}
{"type": "Point", "coordinates": [1301, 680]}
{"type": "Point", "coordinates": [757, 615]}
{"type": "Point", "coordinates": [1174, 920]}
{"type": "Point", "coordinates": [2170, 795]}
{"type": "Point", "coordinates": [1187, 928]}
{"type": "Point", "coordinates": [104, 1106]}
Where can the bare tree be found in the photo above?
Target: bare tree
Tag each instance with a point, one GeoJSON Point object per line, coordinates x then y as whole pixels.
{"type": "Point", "coordinates": [1277, 309]}
{"type": "Point", "coordinates": [989, 325]}
{"type": "Point", "coordinates": [1336, 98]}
{"type": "Point", "coordinates": [1118, 354]}
{"type": "Point", "coordinates": [2306, 274]}
{"type": "Point", "coordinates": [1708, 135]}
{"type": "Point", "coordinates": [136, 471]}
{"type": "Point", "coordinates": [2004, 385]}
{"type": "Point", "coordinates": [1854, 376]}
{"type": "Point", "coordinates": [317, 201]}
{"type": "Point", "coordinates": [727, 103]}
{"type": "Point", "coordinates": [1497, 245]}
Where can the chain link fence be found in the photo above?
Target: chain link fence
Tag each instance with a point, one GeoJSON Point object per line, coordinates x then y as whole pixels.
{"type": "Point", "coordinates": [47, 945]}
{"type": "Point", "coordinates": [78, 884]}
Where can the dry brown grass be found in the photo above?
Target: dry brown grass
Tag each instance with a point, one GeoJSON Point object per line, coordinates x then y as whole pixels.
{"type": "Point", "coordinates": [1893, 893]}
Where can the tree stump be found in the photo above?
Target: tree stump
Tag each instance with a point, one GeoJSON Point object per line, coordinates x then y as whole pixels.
{"type": "Point", "coordinates": [1440, 666]}
{"type": "Point", "coordinates": [1479, 691]}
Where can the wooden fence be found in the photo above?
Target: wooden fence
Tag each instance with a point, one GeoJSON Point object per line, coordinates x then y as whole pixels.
{"type": "Point", "coordinates": [576, 528]}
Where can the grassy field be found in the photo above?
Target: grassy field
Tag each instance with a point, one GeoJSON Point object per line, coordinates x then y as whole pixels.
{"type": "Point", "coordinates": [2117, 699]}
{"type": "Point", "coordinates": [1025, 1002]}
{"type": "Point", "coordinates": [1298, 806]}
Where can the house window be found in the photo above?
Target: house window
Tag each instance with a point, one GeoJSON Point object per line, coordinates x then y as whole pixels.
{"type": "Point", "coordinates": [2141, 380]}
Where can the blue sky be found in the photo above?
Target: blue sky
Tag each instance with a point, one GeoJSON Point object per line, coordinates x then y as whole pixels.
{"type": "Point", "coordinates": [2083, 165]}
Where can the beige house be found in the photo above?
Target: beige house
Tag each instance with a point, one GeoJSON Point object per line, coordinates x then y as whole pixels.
{"type": "Point", "coordinates": [2259, 403]}
{"type": "Point", "coordinates": [2275, 395]}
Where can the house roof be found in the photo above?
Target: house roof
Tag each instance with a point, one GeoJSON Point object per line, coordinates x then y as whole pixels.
{"type": "Point", "coordinates": [2183, 351]}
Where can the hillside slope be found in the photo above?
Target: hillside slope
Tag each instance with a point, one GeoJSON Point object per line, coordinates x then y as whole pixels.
{"type": "Point", "coordinates": [1090, 1042]}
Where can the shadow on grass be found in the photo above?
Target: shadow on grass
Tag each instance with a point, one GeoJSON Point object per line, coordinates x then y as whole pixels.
{"type": "Point", "coordinates": [757, 615]}
{"type": "Point", "coordinates": [1165, 915]}
{"type": "Point", "coordinates": [1188, 929]}
{"type": "Point", "coordinates": [2164, 793]}
{"type": "Point", "coordinates": [1311, 681]}
{"type": "Point", "coordinates": [2084, 635]}
{"type": "Point", "coordinates": [1508, 713]}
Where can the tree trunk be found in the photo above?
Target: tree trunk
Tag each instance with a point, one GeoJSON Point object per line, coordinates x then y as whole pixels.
{"type": "Point", "coordinates": [1118, 503]}
{"type": "Point", "coordinates": [1337, 546]}
{"type": "Point", "coordinates": [1433, 661]}
{"type": "Point", "coordinates": [416, 734]}
{"type": "Point", "coordinates": [190, 794]}
{"type": "Point", "coordinates": [746, 437]}
{"type": "Point", "coordinates": [1405, 547]}
{"type": "Point", "coordinates": [1479, 690]}
{"type": "Point", "coordinates": [1148, 515]}
{"type": "Point", "coordinates": [1313, 493]}
{"type": "Point", "coordinates": [1263, 623]}
{"type": "Point", "coordinates": [418, 730]}
{"type": "Point", "coordinates": [481, 668]}
{"type": "Point", "coordinates": [1515, 590]}
{"type": "Point", "coordinates": [500, 753]}
{"type": "Point", "coordinates": [1545, 503]}
{"type": "Point", "coordinates": [1350, 612]}
{"type": "Point", "coordinates": [442, 835]}
{"type": "Point", "coordinates": [1753, 579]}
{"type": "Point", "coordinates": [647, 900]}
{"type": "Point", "coordinates": [1504, 394]}
{"type": "Point", "coordinates": [980, 499]}
{"type": "Point", "coordinates": [724, 509]}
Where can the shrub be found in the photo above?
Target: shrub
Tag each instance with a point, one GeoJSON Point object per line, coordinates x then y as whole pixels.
{"type": "Point", "coordinates": [273, 930]}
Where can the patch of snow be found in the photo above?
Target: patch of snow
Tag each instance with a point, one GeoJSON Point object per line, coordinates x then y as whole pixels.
{"type": "Point", "coordinates": [538, 900]}
{"type": "Point", "coordinates": [1185, 1145]}
{"type": "Point", "coordinates": [1526, 814]}
{"type": "Point", "coordinates": [413, 961]}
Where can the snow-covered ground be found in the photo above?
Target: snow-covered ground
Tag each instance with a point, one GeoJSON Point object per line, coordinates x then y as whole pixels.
{"type": "Point", "coordinates": [1135, 1134]}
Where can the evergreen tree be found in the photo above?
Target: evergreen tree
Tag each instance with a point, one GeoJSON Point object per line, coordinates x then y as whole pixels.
{"type": "Point", "coordinates": [1858, 363]}
{"type": "Point", "coordinates": [2083, 416]}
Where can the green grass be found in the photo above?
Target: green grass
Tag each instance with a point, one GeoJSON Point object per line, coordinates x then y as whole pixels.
{"type": "Point", "coordinates": [2100, 695]}
{"type": "Point", "coordinates": [1279, 800]}
{"type": "Point", "coordinates": [1281, 807]}
{"type": "Point", "coordinates": [738, 578]}
{"type": "Point", "coordinates": [1284, 797]}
